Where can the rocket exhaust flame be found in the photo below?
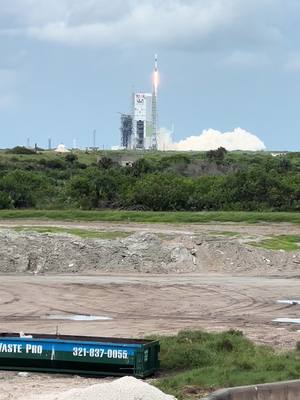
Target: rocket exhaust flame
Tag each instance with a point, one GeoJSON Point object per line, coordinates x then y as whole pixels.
{"type": "Point", "coordinates": [155, 80]}
{"type": "Point", "coordinates": [155, 77]}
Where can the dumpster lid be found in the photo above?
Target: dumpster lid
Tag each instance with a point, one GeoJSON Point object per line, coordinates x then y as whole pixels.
{"type": "Point", "coordinates": [75, 338]}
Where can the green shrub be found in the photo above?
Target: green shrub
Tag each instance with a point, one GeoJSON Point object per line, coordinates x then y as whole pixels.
{"type": "Point", "coordinates": [21, 150]}
{"type": "Point", "coordinates": [208, 361]}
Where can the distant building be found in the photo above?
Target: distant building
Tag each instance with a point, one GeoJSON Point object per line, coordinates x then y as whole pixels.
{"type": "Point", "coordinates": [125, 160]}
{"type": "Point", "coordinates": [278, 154]}
{"type": "Point", "coordinates": [126, 131]}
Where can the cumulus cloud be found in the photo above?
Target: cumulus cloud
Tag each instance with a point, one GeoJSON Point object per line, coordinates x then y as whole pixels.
{"type": "Point", "coordinates": [171, 23]}
{"type": "Point", "coordinates": [238, 139]}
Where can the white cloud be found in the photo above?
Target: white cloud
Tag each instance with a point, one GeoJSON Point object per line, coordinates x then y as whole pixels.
{"type": "Point", "coordinates": [164, 139]}
{"type": "Point", "coordinates": [181, 24]}
{"type": "Point", "coordinates": [211, 139]}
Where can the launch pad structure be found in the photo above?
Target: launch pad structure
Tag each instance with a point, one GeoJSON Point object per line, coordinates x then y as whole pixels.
{"type": "Point", "coordinates": [139, 128]}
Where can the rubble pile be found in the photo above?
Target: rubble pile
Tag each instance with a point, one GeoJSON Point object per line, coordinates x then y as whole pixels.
{"type": "Point", "coordinates": [143, 252]}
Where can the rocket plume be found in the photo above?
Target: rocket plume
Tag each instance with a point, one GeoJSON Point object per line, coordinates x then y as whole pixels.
{"type": "Point", "coordinates": [155, 78]}
{"type": "Point", "coordinates": [155, 81]}
{"type": "Point", "coordinates": [211, 139]}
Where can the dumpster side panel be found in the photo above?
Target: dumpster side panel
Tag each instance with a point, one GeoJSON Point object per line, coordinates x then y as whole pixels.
{"type": "Point", "coordinates": [151, 358]}
{"type": "Point", "coordinates": [77, 357]}
{"type": "Point", "coordinates": [147, 360]}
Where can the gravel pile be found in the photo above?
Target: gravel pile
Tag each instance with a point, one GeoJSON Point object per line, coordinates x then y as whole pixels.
{"type": "Point", "coordinates": [126, 388]}
{"type": "Point", "coordinates": [51, 253]}
{"type": "Point", "coordinates": [144, 252]}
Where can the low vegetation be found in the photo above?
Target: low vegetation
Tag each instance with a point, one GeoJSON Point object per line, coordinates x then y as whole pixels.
{"type": "Point", "coordinates": [83, 233]}
{"type": "Point", "coordinates": [153, 217]}
{"type": "Point", "coordinates": [195, 363]}
{"type": "Point", "coordinates": [280, 242]}
{"type": "Point", "coordinates": [212, 181]}
{"type": "Point", "coordinates": [228, 234]}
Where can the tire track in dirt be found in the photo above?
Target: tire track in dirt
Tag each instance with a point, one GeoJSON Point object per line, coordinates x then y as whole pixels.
{"type": "Point", "coordinates": [143, 305]}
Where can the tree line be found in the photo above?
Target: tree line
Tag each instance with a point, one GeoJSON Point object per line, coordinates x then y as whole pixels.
{"type": "Point", "coordinates": [216, 181]}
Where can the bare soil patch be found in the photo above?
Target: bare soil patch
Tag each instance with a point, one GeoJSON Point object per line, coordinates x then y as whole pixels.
{"type": "Point", "coordinates": [171, 278]}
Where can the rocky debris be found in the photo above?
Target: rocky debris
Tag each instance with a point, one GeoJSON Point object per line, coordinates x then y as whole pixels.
{"type": "Point", "coordinates": [127, 388]}
{"type": "Point", "coordinates": [23, 374]}
{"type": "Point", "coordinates": [144, 252]}
{"type": "Point", "coordinates": [30, 252]}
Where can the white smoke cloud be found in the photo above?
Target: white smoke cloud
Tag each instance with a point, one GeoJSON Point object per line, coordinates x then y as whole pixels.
{"type": "Point", "coordinates": [211, 139]}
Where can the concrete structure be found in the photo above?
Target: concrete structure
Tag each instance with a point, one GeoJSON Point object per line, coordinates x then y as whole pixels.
{"type": "Point", "coordinates": [126, 131]}
{"type": "Point", "coordinates": [289, 390]}
{"type": "Point", "coordinates": [139, 129]}
{"type": "Point", "coordinates": [142, 121]}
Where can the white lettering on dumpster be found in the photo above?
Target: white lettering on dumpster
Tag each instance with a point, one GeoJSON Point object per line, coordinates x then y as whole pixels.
{"type": "Point", "coordinates": [18, 348]}
{"type": "Point", "coordinates": [34, 349]}
{"type": "Point", "coordinates": [99, 353]}
{"type": "Point", "coordinates": [10, 348]}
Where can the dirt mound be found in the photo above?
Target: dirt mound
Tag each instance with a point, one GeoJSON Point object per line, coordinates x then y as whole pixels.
{"type": "Point", "coordinates": [126, 388]}
{"type": "Point", "coordinates": [52, 253]}
{"type": "Point", "coordinates": [30, 252]}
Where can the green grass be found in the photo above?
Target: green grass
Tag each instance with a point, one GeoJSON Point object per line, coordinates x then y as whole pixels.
{"type": "Point", "coordinates": [153, 217]}
{"type": "Point", "coordinates": [280, 242]}
{"type": "Point", "coordinates": [225, 233]}
{"type": "Point", "coordinates": [195, 362]}
{"type": "Point", "coordinates": [83, 233]}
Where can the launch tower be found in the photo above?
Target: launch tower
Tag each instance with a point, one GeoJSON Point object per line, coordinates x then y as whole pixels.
{"type": "Point", "coordinates": [139, 130]}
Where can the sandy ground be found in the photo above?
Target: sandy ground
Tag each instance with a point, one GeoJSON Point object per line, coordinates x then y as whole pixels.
{"type": "Point", "coordinates": [140, 305]}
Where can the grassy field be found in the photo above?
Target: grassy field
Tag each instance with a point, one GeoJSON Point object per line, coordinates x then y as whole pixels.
{"type": "Point", "coordinates": [280, 242]}
{"type": "Point", "coordinates": [83, 233]}
{"type": "Point", "coordinates": [153, 217]}
{"type": "Point", "coordinates": [195, 363]}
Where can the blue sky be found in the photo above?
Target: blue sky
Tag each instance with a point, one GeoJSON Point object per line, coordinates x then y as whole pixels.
{"type": "Point", "coordinates": [67, 67]}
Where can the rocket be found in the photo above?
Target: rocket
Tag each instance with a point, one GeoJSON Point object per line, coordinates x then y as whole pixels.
{"type": "Point", "coordinates": [156, 63]}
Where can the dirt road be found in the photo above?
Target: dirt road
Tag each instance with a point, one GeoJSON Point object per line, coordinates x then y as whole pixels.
{"type": "Point", "coordinates": [263, 229]}
{"type": "Point", "coordinates": [140, 305]}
